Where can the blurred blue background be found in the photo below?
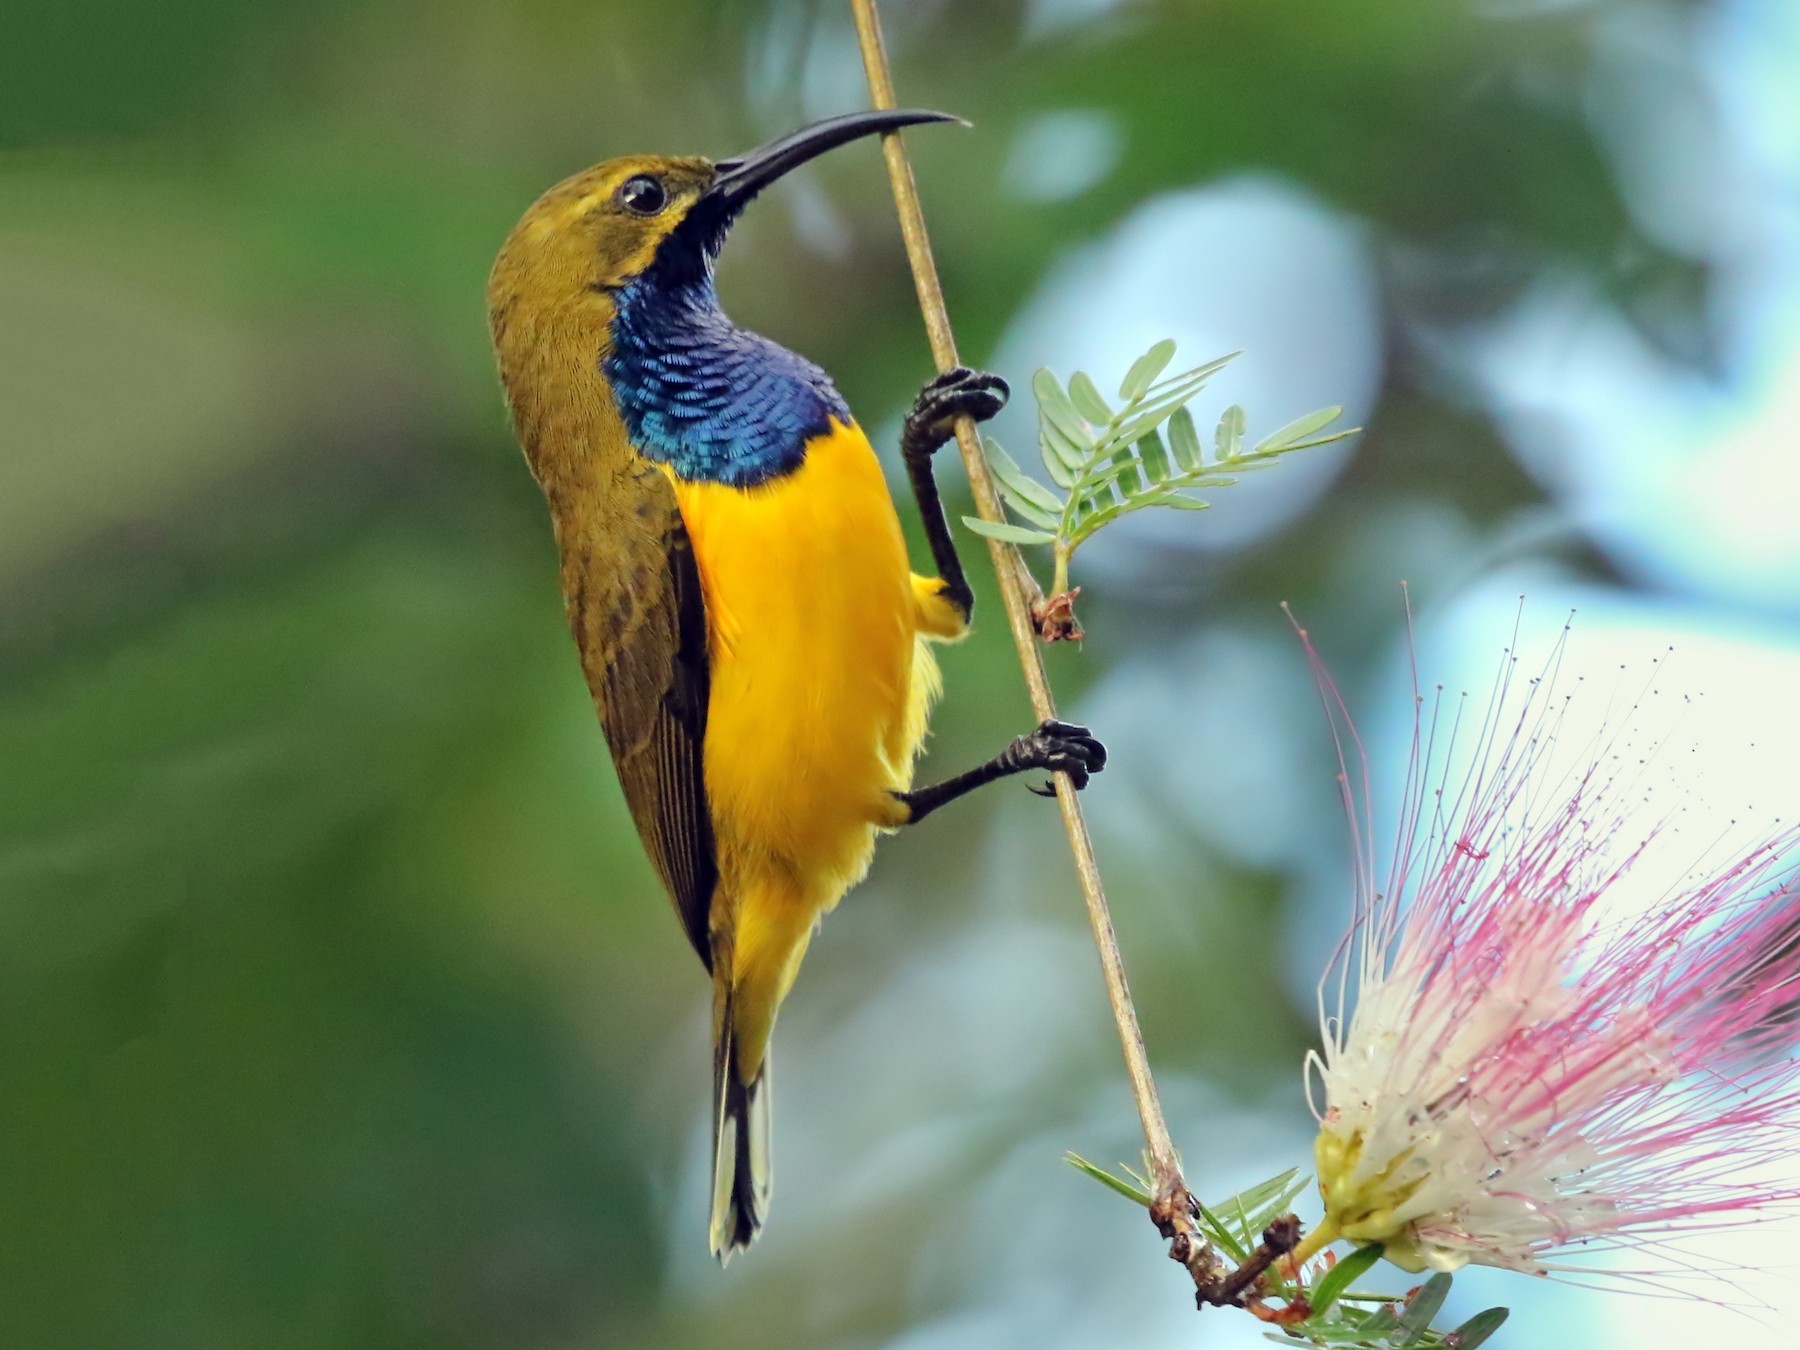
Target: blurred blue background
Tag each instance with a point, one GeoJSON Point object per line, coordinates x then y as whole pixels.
{"type": "Point", "coordinates": [338, 1006]}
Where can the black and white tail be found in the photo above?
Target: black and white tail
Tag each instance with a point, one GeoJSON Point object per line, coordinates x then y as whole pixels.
{"type": "Point", "coordinates": [741, 1172]}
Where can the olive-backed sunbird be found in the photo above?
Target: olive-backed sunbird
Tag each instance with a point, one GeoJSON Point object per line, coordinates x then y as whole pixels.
{"type": "Point", "coordinates": [737, 583]}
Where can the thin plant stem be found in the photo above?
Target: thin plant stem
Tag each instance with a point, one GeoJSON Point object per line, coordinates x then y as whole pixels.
{"type": "Point", "coordinates": [1017, 590]}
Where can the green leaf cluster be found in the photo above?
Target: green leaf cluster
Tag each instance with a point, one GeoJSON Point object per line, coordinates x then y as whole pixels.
{"type": "Point", "coordinates": [1106, 462]}
{"type": "Point", "coordinates": [1340, 1315]}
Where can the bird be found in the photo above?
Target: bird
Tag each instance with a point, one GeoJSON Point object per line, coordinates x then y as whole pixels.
{"type": "Point", "coordinates": [737, 583]}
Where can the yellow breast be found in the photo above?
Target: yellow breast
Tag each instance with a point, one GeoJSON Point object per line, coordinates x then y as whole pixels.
{"type": "Point", "coordinates": [813, 718]}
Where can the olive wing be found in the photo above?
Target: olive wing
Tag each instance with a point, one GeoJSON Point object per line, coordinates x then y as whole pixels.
{"type": "Point", "coordinates": [639, 618]}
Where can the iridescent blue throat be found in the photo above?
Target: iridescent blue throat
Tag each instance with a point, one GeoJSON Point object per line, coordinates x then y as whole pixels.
{"type": "Point", "coordinates": [715, 402]}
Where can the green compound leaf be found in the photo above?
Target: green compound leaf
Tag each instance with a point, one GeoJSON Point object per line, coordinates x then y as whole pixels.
{"type": "Point", "coordinates": [1107, 462]}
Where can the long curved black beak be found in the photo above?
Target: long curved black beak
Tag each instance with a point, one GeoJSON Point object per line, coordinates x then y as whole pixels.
{"type": "Point", "coordinates": [743, 176]}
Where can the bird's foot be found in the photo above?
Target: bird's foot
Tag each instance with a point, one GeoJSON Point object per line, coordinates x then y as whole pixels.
{"type": "Point", "coordinates": [959, 392]}
{"type": "Point", "coordinates": [1060, 747]}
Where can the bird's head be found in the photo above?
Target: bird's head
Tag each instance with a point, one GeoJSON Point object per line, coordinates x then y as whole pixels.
{"type": "Point", "coordinates": [596, 232]}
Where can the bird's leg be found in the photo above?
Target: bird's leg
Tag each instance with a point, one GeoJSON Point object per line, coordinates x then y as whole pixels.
{"type": "Point", "coordinates": [1057, 746]}
{"type": "Point", "coordinates": [931, 422]}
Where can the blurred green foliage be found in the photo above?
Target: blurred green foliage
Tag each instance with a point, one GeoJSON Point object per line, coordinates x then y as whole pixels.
{"type": "Point", "coordinates": [338, 1007]}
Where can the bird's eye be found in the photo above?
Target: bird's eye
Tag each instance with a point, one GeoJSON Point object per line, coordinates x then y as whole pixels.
{"type": "Point", "coordinates": [643, 195]}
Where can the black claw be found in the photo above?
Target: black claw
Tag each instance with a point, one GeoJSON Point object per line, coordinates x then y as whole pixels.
{"type": "Point", "coordinates": [1048, 790]}
{"type": "Point", "coordinates": [1061, 747]}
{"type": "Point", "coordinates": [955, 393]}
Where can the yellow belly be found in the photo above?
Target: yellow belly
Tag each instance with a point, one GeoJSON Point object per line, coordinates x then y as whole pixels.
{"type": "Point", "coordinates": [819, 689]}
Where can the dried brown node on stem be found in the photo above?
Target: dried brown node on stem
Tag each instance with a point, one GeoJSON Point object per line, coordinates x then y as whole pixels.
{"type": "Point", "coordinates": [1054, 616]}
{"type": "Point", "coordinates": [1175, 1213]}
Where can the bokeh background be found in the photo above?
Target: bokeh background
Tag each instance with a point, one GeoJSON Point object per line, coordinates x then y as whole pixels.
{"type": "Point", "coordinates": [338, 1006]}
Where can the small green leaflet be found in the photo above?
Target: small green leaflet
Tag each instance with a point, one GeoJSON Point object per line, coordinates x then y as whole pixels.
{"type": "Point", "coordinates": [1296, 433]}
{"type": "Point", "coordinates": [1184, 440]}
{"type": "Point", "coordinates": [1023, 493]}
{"type": "Point", "coordinates": [1341, 1276]}
{"type": "Point", "coordinates": [1063, 439]}
{"type": "Point", "coordinates": [1087, 400]}
{"type": "Point", "coordinates": [1415, 1322]}
{"type": "Point", "coordinates": [1228, 440]}
{"type": "Point", "coordinates": [1106, 1178]}
{"type": "Point", "coordinates": [1477, 1329]}
{"type": "Point", "coordinates": [1145, 369]}
{"type": "Point", "coordinates": [1012, 534]}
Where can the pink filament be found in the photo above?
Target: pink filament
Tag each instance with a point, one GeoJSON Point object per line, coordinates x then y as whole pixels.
{"type": "Point", "coordinates": [1657, 1048]}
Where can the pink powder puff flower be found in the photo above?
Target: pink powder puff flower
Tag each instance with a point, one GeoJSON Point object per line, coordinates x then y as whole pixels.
{"type": "Point", "coordinates": [1526, 1072]}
